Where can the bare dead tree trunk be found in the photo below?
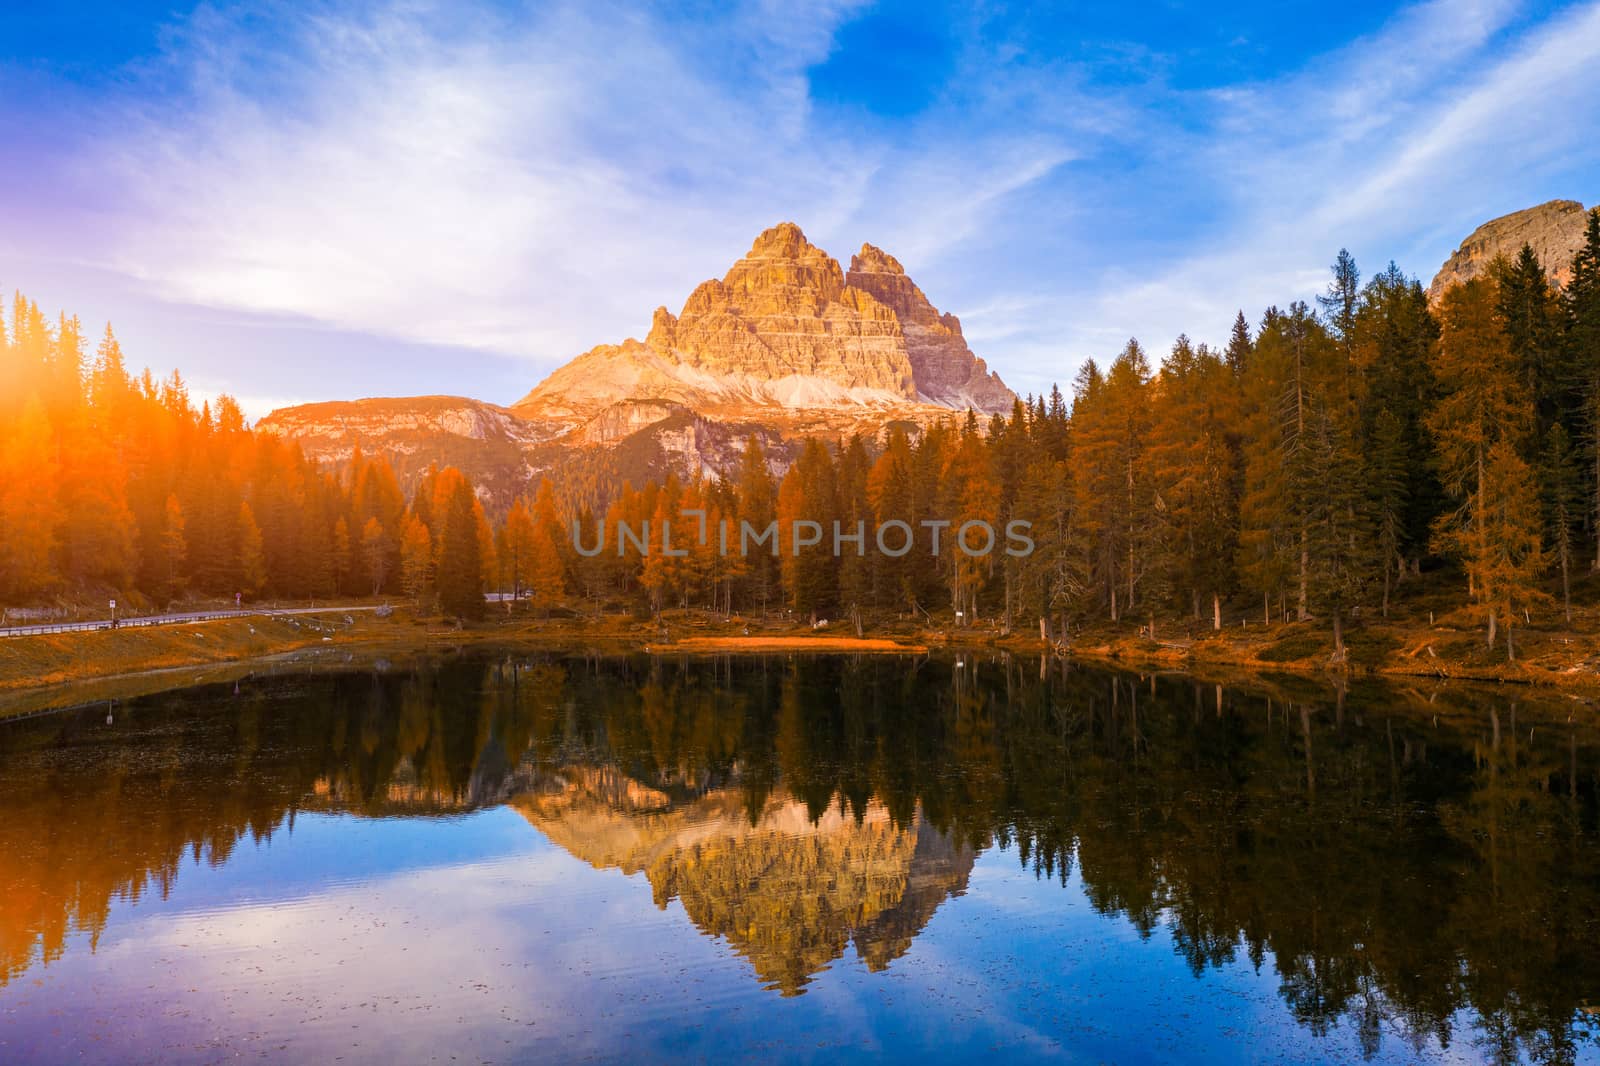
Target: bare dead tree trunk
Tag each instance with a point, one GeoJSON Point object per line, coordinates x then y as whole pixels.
{"type": "Point", "coordinates": [1302, 607]}
{"type": "Point", "coordinates": [1596, 504]}
{"type": "Point", "coordinates": [1566, 583]}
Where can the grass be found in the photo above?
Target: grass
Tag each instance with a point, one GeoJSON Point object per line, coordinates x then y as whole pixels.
{"type": "Point", "coordinates": [790, 643]}
{"type": "Point", "coordinates": [61, 658]}
{"type": "Point", "coordinates": [1428, 634]}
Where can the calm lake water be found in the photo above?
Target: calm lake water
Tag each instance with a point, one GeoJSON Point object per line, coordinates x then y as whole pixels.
{"type": "Point", "coordinates": [822, 859]}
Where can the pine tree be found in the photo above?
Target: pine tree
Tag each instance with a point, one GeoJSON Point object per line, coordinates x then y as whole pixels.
{"type": "Point", "coordinates": [1530, 313]}
{"type": "Point", "coordinates": [806, 505]}
{"type": "Point", "coordinates": [110, 390]}
{"type": "Point", "coordinates": [551, 551]}
{"type": "Point", "coordinates": [1508, 553]}
{"type": "Point", "coordinates": [1389, 463]}
{"type": "Point", "coordinates": [29, 507]}
{"type": "Point", "coordinates": [1054, 577]}
{"type": "Point", "coordinates": [343, 561]}
{"type": "Point", "coordinates": [1484, 404]}
{"type": "Point", "coordinates": [516, 547]}
{"type": "Point", "coordinates": [1339, 543]}
{"type": "Point", "coordinates": [855, 561]}
{"type": "Point", "coordinates": [971, 495]}
{"type": "Point", "coordinates": [252, 560]}
{"type": "Point", "coordinates": [460, 567]}
{"type": "Point", "coordinates": [546, 580]}
{"type": "Point", "coordinates": [757, 508]}
{"type": "Point", "coordinates": [375, 553]}
{"type": "Point", "coordinates": [1395, 335]}
{"type": "Point", "coordinates": [891, 495]}
{"type": "Point", "coordinates": [98, 530]}
{"type": "Point", "coordinates": [1193, 465]}
{"type": "Point", "coordinates": [1267, 526]}
{"type": "Point", "coordinates": [662, 570]}
{"type": "Point", "coordinates": [1240, 347]}
{"type": "Point", "coordinates": [375, 494]}
{"type": "Point", "coordinates": [488, 561]}
{"type": "Point", "coordinates": [416, 558]}
{"type": "Point", "coordinates": [1583, 355]}
{"type": "Point", "coordinates": [1343, 298]}
{"type": "Point", "coordinates": [531, 555]}
{"type": "Point", "coordinates": [1561, 490]}
{"type": "Point", "coordinates": [174, 546]}
{"type": "Point", "coordinates": [1115, 499]}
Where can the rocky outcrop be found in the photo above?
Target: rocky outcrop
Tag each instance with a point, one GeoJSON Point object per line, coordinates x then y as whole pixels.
{"type": "Point", "coordinates": [942, 366]}
{"type": "Point", "coordinates": [490, 444]}
{"type": "Point", "coordinates": [784, 310]}
{"type": "Point", "coordinates": [1554, 230]}
{"type": "Point", "coordinates": [785, 327]}
{"type": "Point", "coordinates": [785, 345]}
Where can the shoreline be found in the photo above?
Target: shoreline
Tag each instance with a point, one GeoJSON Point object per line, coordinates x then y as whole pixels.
{"type": "Point", "coordinates": [70, 669]}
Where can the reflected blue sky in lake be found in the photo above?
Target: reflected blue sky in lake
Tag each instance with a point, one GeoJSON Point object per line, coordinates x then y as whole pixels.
{"type": "Point", "coordinates": [411, 939]}
{"type": "Point", "coordinates": [813, 861]}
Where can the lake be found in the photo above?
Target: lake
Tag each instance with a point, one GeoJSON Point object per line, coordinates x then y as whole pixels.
{"type": "Point", "coordinates": [518, 857]}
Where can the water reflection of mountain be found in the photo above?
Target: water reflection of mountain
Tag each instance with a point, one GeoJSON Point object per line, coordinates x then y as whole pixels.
{"type": "Point", "coordinates": [788, 891]}
{"type": "Point", "coordinates": [1420, 863]}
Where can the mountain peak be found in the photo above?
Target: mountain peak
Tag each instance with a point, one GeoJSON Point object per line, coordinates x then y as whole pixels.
{"type": "Point", "coordinates": [1554, 230]}
{"type": "Point", "coordinates": [874, 260]}
{"type": "Point", "coordinates": [785, 328]}
{"type": "Point", "coordinates": [783, 241]}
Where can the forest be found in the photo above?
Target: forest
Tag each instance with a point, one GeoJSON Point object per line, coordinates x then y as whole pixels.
{"type": "Point", "coordinates": [1317, 467]}
{"type": "Point", "coordinates": [120, 483]}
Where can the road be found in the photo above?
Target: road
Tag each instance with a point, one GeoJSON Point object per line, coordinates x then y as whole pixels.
{"type": "Point", "coordinates": [174, 619]}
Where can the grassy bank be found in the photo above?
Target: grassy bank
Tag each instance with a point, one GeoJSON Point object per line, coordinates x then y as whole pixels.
{"type": "Point", "coordinates": [1564, 658]}
{"type": "Point", "coordinates": [38, 672]}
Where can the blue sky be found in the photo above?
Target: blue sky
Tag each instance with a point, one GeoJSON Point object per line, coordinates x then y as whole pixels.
{"type": "Point", "coordinates": [306, 201]}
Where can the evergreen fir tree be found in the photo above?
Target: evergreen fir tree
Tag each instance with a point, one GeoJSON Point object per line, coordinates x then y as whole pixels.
{"type": "Point", "coordinates": [460, 566]}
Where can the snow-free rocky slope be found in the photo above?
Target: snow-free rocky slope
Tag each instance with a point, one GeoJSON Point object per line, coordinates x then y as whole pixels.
{"type": "Point", "coordinates": [787, 344]}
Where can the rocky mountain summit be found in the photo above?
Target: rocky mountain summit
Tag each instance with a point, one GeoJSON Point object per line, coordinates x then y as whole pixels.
{"type": "Point", "coordinates": [785, 345]}
{"type": "Point", "coordinates": [943, 368]}
{"type": "Point", "coordinates": [785, 327]}
{"type": "Point", "coordinates": [1554, 230]}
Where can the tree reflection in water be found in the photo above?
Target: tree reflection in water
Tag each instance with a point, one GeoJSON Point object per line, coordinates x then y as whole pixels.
{"type": "Point", "coordinates": [1410, 862]}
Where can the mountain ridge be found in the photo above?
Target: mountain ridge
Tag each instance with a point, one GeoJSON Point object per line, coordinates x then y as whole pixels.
{"type": "Point", "coordinates": [786, 344]}
{"type": "Point", "coordinates": [786, 327]}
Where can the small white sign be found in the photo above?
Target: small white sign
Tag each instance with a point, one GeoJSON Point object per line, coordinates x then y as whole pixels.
{"type": "Point", "coordinates": [113, 605]}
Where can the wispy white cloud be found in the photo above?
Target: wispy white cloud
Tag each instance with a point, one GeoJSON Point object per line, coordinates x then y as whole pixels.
{"type": "Point", "coordinates": [529, 188]}
{"type": "Point", "coordinates": [1396, 146]}
{"type": "Point", "coordinates": [530, 183]}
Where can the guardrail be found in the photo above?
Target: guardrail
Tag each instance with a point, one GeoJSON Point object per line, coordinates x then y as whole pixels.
{"type": "Point", "coordinates": [49, 628]}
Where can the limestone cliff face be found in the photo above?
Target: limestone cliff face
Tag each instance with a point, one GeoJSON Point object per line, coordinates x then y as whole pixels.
{"type": "Point", "coordinates": [1554, 230]}
{"type": "Point", "coordinates": [783, 346]}
{"type": "Point", "coordinates": [491, 444]}
{"type": "Point", "coordinates": [942, 366]}
{"type": "Point", "coordinates": [782, 310]}
{"type": "Point", "coordinates": [785, 327]}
